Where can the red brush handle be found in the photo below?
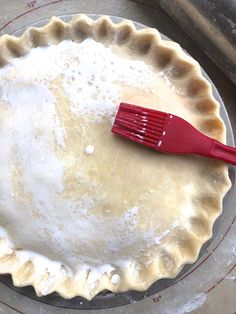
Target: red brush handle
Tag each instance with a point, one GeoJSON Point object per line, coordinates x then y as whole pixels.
{"type": "Point", "coordinates": [222, 152]}
{"type": "Point", "coordinates": [183, 138]}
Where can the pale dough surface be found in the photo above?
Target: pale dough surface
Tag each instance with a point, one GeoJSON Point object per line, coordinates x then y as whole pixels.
{"type": "Point", "coordinates": [110, 213]}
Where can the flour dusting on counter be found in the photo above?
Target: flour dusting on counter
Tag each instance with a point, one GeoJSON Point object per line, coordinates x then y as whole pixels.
{"type": "Point", "coordinates": [191, 305]}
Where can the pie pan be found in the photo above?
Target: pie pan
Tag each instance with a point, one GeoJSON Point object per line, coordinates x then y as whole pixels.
{"type": "Point", "coordinates": [124, 298]}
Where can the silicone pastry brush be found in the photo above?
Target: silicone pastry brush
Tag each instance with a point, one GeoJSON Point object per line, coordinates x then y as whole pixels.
{"type": "Point", "coordinates": [167, 133]}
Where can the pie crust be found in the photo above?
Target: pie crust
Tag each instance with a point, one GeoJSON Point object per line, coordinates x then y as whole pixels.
{"type": "Point", "coordinates": [120, 217]}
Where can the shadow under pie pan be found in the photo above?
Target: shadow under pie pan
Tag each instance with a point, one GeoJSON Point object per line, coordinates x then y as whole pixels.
{"type": "Point", "coordinates": [108, 299]}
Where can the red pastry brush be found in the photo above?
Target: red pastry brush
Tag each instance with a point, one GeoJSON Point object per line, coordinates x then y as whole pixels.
{"type": "Point", "coordinates": [168, 133]}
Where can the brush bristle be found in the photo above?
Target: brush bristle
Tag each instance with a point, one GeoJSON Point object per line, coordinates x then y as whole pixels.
{"type": "Point", "coordinates": [139, 124]}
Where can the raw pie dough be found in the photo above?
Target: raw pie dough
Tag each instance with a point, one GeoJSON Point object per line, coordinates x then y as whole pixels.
{"type": "Point", "coordinates": [81, 209]}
